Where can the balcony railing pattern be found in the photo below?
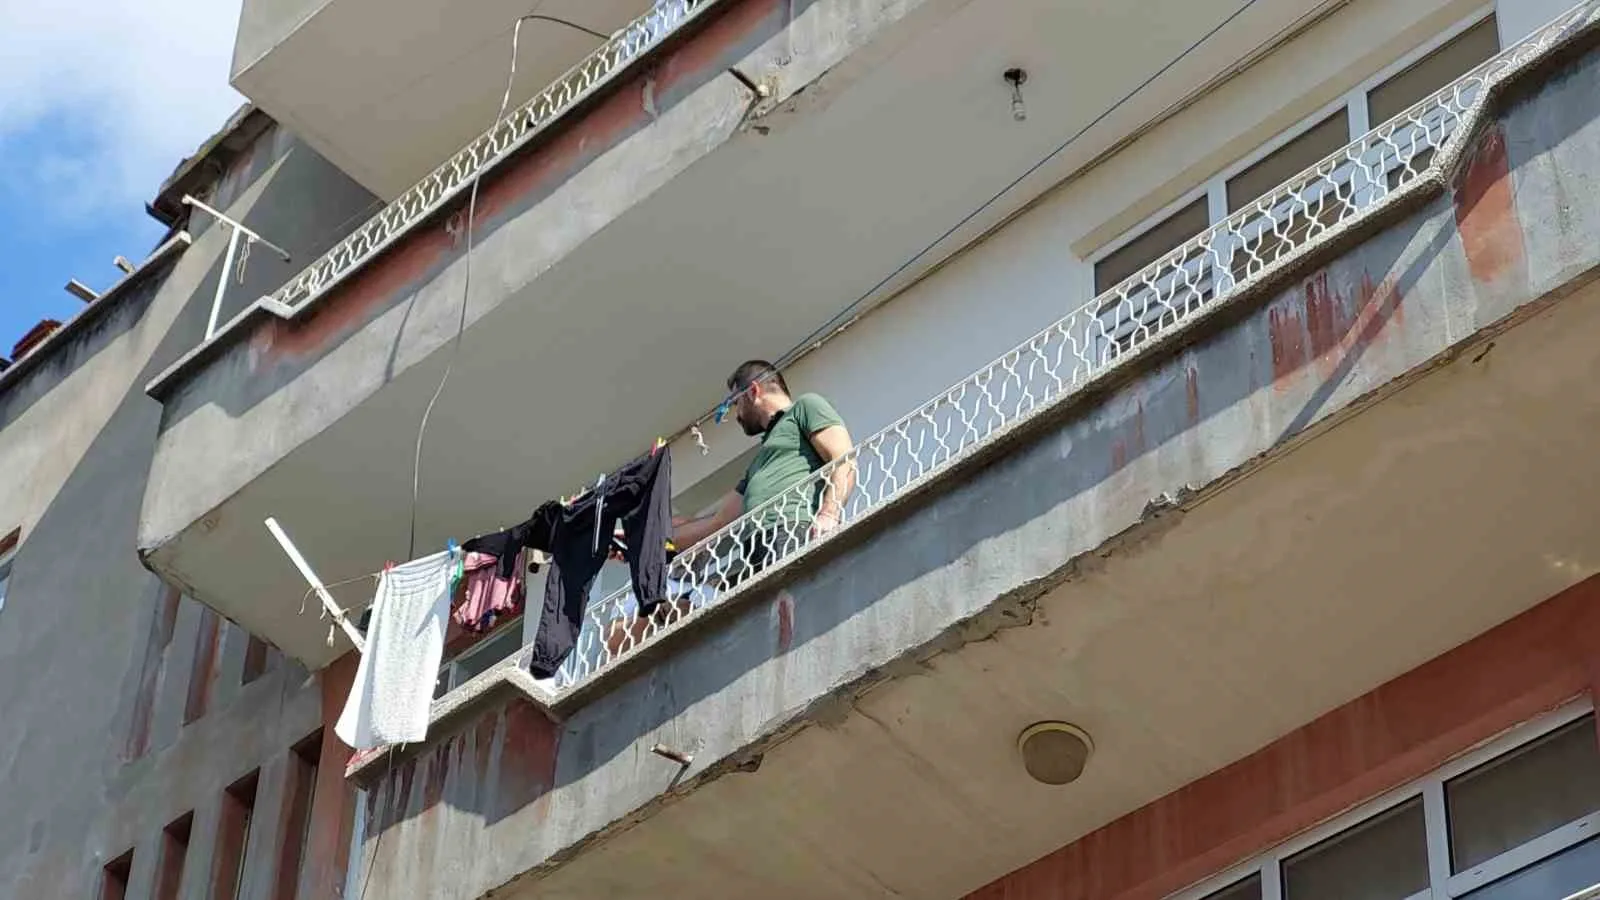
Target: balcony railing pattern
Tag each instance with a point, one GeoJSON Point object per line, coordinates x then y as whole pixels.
{"type": "Point", "coordinates": [1059, 360]}
{"type": "Point", "coordinates": [456, 173]}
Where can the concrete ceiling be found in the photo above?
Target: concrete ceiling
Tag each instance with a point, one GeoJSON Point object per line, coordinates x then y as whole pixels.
{"type": "Point", "coordinates": [1334, 566]}
{"type": "Point", "coordinates": [386, 91]}
{"type": "Point", "coordinates": [742, 255]}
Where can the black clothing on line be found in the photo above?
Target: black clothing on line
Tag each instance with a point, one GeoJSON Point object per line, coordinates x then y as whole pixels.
{"type": "Point", "coordinates": [639, 496]}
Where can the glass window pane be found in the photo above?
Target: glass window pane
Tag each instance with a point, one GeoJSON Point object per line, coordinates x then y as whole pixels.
{"type": "Point", "coordinates": [1567, 873]}
{"type": "Point", "coordinates": [1433, 71]}
{"type": "Point", "coordinates": [5, 576]}
{"type": "Point", "coordinates": [1148, 247]}
{"type": "Point", "coordinates": [1248, 889]}
{"type": "Point", "coordinates": [1530, 791]}
{"type": "Point", "coordinates": [1305, 151]}
{"type": "Point", "coordinates": [1383, 858]}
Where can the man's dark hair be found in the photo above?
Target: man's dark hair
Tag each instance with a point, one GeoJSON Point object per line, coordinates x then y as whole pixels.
{"type": "Point", "coordinates": [756, 370]}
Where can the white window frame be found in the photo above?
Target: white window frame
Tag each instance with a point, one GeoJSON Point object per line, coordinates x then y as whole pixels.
{"type": "Point", "coordinates": [1370, 189]}
{"type": "Point", "coordinates": [1430, 788]}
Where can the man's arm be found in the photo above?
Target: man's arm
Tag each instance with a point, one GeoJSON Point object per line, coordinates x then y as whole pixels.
{"type": "Point", "coordinates": [834, 443]}
{"type": "Point", "coordinates": [688, 532]}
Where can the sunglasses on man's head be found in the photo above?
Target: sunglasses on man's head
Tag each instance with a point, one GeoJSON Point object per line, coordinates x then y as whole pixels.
{"type": "Point", "coordinates": [727, 403]}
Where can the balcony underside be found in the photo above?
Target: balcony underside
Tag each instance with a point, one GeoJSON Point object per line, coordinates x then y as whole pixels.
{"type": "Point", "coordinates": [387, 90]}
{"type": "Point", "coordinates": [622, 268]}
{"type": "Point", "coordinates": [1318, 491]}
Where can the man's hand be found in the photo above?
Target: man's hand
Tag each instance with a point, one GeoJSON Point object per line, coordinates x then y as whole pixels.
{"type": "Point", "coordinates": [824, 522]}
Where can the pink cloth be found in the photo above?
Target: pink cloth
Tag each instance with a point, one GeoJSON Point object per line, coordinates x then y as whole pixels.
{"type": "Point", "coordinates": [488, 597]}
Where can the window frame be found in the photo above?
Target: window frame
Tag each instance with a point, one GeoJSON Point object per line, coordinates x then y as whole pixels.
{"type": "Point", "coordinates": [1214, 189]}
{"type": "Point", "coordinates": [1430, 788]}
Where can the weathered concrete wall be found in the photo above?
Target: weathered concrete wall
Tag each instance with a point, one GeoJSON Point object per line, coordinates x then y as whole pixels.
{"type": "Point", "coordinates": [1515, 226]}
{"type": "Point", "coordinates": [124, 707]}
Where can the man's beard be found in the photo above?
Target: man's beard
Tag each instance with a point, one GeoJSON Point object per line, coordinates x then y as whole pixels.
{"type": "Point", "coordinates": [751, 427]}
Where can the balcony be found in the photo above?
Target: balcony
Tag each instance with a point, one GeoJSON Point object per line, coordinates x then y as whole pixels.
{"type": "Point", "coordinates": [649, 205]}
{"type": "Point", "coordinates": [1315, 462]}
{"type": "Point", "coordinates": [385, 90]}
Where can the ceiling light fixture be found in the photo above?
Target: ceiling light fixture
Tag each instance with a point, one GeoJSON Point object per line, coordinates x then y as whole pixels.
{"type": "Point", "coordinates": [1017, 78]}
{"type": "Point", "coordinates": [1055, 752]}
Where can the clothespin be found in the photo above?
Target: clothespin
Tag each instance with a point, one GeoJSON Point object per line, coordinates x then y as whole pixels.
{"type": "Point", "coordinates": [699, 440]}
{"type": "Point", "coordinates": [656, 447]}
{"type": "Point", "coordinates": [450, 545]}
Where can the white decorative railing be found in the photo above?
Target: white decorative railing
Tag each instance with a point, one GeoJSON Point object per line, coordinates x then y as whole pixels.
{"type": "Point", "coordinates": [1059, 360]}
{"type": "Point", "coordinates": [455, 175]}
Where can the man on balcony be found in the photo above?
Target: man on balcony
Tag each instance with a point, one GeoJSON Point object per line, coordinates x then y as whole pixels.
{"type": "Point", "coordinates": [790, 506]}
{"type": "Point", "coordinates": [799, 436]}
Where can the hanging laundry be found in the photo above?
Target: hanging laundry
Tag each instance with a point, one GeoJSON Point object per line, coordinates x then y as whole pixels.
{"type": "Point", "coordinates": [639, 497]}
{"type": "Point", "coordinates": [487, 597]}
{"type": "Point", "coordinates": [394, 682]}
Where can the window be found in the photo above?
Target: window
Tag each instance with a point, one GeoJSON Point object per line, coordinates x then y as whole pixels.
{"type": "Point", "coordinates": [1383, 858]}
{"type": "Point", "coordinates": [174, 852]}
{"type": "Point", "coordinates": [1248, 889]}
{"type": "Point", "coordinates": [1529, 792]}
{"type": "Point", "coordinates": [1317, 143]}
{"type": "Point", "coordinates": [1296, 218]}
{"type": "Point", "coordinates": [255, 659]}
{"type": "Point", "coordinates": [233, 837]}
{"type": "Point", "coordinates": [114, 877]}
{"type": "Point", "coordinates": [1518, 819]}
{"type": "Point", "coordinates": [1130, 317]}
{"type": "Point", "coordinates": [300, 789]}
{"type": "Point", "coordinates": [1178, 287]}
{"type": "Point", "coordinates": [1444, 65]}
{"type": "Point", "coordinates": [203, 667]}
{"type": "Point", "coordinates": [504, 640]}
{"type": "Point", "coordinates": [1399, 93]}
{"type": "Point", "coordinates": [5, 577]}
{"type": "Point", "coordinates": [1161, 238]}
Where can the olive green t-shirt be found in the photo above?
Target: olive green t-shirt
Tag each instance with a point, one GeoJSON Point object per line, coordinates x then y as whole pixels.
{"type": "Point", "coordinates": [787, 457]}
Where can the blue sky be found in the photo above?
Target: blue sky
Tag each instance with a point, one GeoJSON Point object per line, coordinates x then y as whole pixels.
{"type": "Point", "coordinates": [96, 109]}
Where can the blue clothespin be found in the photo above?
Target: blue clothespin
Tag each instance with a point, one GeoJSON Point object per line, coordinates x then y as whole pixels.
{"type": "Point", "coordinates": [450, 545]}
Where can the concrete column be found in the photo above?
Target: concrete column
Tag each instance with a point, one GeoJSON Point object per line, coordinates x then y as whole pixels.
{"type": "Point", "coordinates": [1519, 18]}
{"type": "Point", "coordinates": [172, 691]}
{"type": "Point", "coordinates": [146, 865]}
{"type": "Point", "coordinates": [230, 665]}
{"type": "Point", "coordinates": [202, 849]}
{"type": "Point", "coordinates": [266, 830]}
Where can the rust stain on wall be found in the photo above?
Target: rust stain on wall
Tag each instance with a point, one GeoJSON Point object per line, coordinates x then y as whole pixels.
{"type": "Point", "coordinates": [1192, 394]}
{"type": "Point", "coordinates": [1287, 335]}
{"type": "Point", "coordinates": [784, 609]}
{"type": "Point", "coordinates": [1486, 212]}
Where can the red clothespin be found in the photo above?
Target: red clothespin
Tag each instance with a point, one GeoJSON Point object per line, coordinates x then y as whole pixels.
{"type": "Point", "coordinates": [654, 448]}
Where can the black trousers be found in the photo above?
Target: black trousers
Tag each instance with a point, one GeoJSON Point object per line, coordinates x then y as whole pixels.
{"type": "Point", "coordinates": [639, 497]}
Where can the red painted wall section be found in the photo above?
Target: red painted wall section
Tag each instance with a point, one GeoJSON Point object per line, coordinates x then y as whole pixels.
{"type": "Point", "coordinates": [1391, 736]}
{"type": "Point", "coordinates": [1486, 214]}
{"type": "Point", "coordinates": [333, 800]}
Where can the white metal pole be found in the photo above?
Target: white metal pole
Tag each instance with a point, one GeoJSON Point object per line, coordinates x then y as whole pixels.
{"type": "Point", "coordinates": [316, 585]}
{"type": "Point", "coordinates": [222, 282]}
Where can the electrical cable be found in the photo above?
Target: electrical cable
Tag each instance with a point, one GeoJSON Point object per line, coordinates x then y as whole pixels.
{"type": "Point", "coordinates": [466, 281]}
{"type": "Point", "coordinates": [832, 324]}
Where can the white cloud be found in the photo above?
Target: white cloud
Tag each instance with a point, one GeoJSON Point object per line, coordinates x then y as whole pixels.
{"type": "Point", "coordinates": [100, 99]}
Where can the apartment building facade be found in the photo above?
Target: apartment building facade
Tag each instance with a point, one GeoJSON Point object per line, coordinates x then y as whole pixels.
{"type": "Point", "coordinates": [1244, 548]}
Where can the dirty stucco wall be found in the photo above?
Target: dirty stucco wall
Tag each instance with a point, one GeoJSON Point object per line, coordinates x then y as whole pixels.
{"type": "Point", "coordinates": [123, 706]}
{"type": "Point", "coordinates": [503, 797]}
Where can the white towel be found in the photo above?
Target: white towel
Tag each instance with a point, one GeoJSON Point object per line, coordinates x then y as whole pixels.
{"type": "Point", "coordinates": [393, 689]}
